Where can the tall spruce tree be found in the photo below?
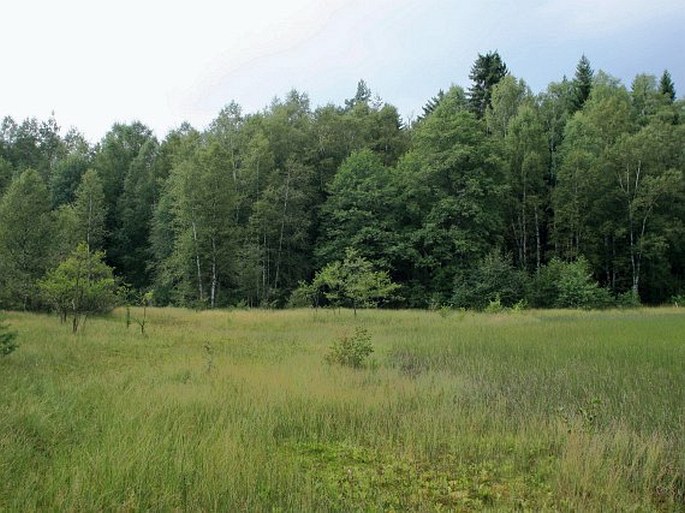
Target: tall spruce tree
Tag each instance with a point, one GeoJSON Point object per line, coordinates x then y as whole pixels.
{"type": "Point", "coordinates": [666, 86]}
{"type": "Point", "coordinates": [432, 104]}
{"type": "Point", "coordinates": [582, 83]}
{"type": "Point", "coordinates": [487, 71]}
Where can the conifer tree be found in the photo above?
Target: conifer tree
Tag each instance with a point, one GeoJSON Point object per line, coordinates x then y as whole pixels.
{"type": "Point", "coordinates": [582, 83]}
{"type": "Point", "coordinates": [432, 104]}
{"type": "Point", "coordinates": [666, 86]}
{"type": "Point", "coordinates": [487, 71]}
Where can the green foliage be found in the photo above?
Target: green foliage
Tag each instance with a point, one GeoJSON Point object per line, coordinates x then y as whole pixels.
{"type": "Point", "coordinates": [628, 299]}
{"type": "Point", "coordinates": [645, 98]}
{"type": "Point", "coordinates": [198, 203]}
{"type": "Point", "coordinates": [66, 177]}
{"type": "Point", "coordinates": [520, 306]}
{"type": "Point", "coordinates": [528, 161]}
{"type": "Point", "coordinates": [124, 163]}
{"type": "Point", "coordinates": [678, 300]}
{"type": "Point", "coordinates": [493, 283]}
{"type": "Point", "coordinates": [485, 73]}
{"type": "Point", "coordinates": [431, 105]}
{"type": "Point", "coordinates": [582, 83]}
{"type": "Point", "coordinates": [32, 144]}
{"type": "Point", "coordinates": [134, 212]}
{"type": "Point", "coordinates": [80, 285]}
{"type": "Point", "coordinates": [25, 240]}
{"type": "Point", "coordinates": [245, 210]}
{"type": "Point", "coordinates": [6, 174]}
{"type": "Point", "coordinates": [351, 282]}
{"type": "Point", "coordinates": [506, 98]}
{"type": "Point", "coordinates": [568, 285]}
{"type": "Point", "coordinates": [89, 209]}
{"type": "Point", "coordinates": [361, 211]}
{"type": "Point", "coordinates": [452, 185]}
{"type": "Point", "coordinates": [666, 86]}
{"type": "Point", "coordinates": [494, 306]}
{"type": "Point", "coordinates": [585, 417]}
{"type": "Point", "coordinates": [132, 297]}
{"type": "Point", "coordinates": [303, 296]}
{"type": "Point", "coordinates": [351, 350]}
{"type": "Point", "coordinates": [577, 288]}
{"type": "Point", "coordinates": [8, 343]}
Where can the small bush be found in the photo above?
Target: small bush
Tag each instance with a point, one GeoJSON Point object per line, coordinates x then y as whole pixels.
{"type": "Point", "coordinates": [678, 300]}
{"type": "Point", "coordinates": [628, 300]}
{"type": "Point", "coordinates": [8, 341]}
{"type": "Point", "coordinates": [568, 285]}
{"type": "Point", "coordinates": [303, 296]}
{"type": "Point", "coordinates": [444, 311]}
{"type": "Point", "coordinates": [351, 351]}
{"type": "Point", "coordinates": [493, 280]}
{"type": "Point", "coordinates": [520, 306]}
{"type": "Point", "coordinates": [495, 305]}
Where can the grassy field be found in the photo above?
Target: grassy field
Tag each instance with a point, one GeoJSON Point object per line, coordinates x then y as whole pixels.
{"type": "Point", "coordinates": [237, 411]}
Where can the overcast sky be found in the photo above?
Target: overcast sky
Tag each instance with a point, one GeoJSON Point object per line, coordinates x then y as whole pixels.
{"type": "Point", "coordinates": [164, 62]}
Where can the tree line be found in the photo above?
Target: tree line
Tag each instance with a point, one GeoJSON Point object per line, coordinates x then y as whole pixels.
{"type": "Point", "coordinates": [570, 197]}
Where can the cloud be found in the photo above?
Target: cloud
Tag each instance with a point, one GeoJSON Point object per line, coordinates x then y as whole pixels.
{"type": "Point", "coordinates": [165, 62]}
{"type": "Point", "coordinates": [583, 18]}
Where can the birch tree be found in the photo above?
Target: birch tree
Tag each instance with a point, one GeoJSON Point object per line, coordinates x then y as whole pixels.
{"type": "Point", "coordinates": [201, 203]}
{"type": "Point", "coordinates": [89, 209]}
{"type": "Point", "coordinates": [646, 174]}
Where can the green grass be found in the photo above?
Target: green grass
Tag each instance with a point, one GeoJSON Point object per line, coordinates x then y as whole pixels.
{"type": "Point", "coordinates": [237, 411]}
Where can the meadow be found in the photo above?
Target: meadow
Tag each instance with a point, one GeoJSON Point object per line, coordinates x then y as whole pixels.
{"type": "Point", "coordinates": [238, 411]}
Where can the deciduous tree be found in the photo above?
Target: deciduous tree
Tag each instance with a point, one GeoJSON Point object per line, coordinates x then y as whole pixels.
{"type": "Point", "coordinates": [25, 239]}
{"type": "Point", "coordinates": [80, 286]}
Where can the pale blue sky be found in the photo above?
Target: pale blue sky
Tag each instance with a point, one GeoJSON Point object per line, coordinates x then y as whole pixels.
{"type": "Point", "coordinates": [168, 62]}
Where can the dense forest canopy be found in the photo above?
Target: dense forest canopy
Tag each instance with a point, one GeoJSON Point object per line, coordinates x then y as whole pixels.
{"type": "Point", "coordinates": [493, 193]}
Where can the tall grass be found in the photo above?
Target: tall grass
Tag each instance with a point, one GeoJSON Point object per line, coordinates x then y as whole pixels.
{"type": "Point", "coordinates": [237, 411]}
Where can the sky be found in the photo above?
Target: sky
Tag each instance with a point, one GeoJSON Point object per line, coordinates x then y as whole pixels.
{"type": "Point", "coordinates": [96, 63]}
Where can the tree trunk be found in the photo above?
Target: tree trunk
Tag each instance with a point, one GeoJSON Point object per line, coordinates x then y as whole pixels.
{"type": "Point", "coordinates": [197, 263]}
{"type": "Point", "coordinates": [265, 268]}
{"type": "Point", "coordinates": [524, 231]}
{"type": "Point", "coordinates": [282, 231]}
{"type": "Point", "coordinates": [538, 251]}
{"type": "Point", "coordinates": [212, 292]}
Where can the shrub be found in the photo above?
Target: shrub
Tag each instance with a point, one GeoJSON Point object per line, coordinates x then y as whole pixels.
{"type": "Point", "coordinates": [351, 351]}
{"type": "Point", "coordinates": [568, 285]}
{"type": "Point", "coordinates": [493, 280]}
{"type": "Point", "coordinates": [303, 296]}
{"type": "Point", "coordinates": [628, 299]}
{"type": "Point", "coordinates": [494, 306]}
{"type": "Point", "coordinates": [543, 289]}
{"type": "Point", "coordinates": [520, 306]}
{"type": "Point", "coordinates": [7, 340]}
{"type": "Point", "coordinates": [577, 289]}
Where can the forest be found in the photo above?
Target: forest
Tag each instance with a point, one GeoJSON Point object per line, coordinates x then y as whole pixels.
{"type": "Point", "coordinates": [571, 197]}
